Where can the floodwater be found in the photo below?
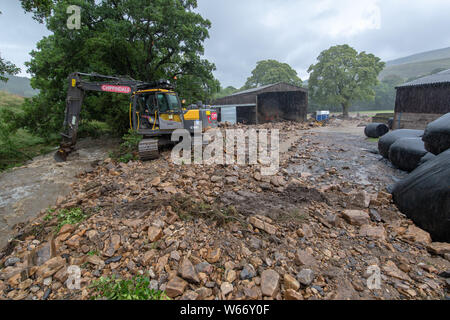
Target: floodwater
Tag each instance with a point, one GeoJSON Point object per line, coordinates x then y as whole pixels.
{"type": "Point", "coordinates": [26, 190]}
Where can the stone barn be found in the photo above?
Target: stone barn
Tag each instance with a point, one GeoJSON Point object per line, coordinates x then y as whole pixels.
{"type": "Point", "coordinates": [422, 101]}
{"type": "Point", "coordinates": [275, 102]}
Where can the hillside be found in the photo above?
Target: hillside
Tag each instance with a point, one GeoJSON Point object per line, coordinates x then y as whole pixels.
{"type": "Point", "coordinates": [418, 65]}
{"type": "Point", "coordinates": [19, 86]}
{"type": "Point", "coordinates": [416, 69]}
{"type": "Point", "coordinates": [8, 100]}
{"type": "Point", "coordinates": [438, 54]}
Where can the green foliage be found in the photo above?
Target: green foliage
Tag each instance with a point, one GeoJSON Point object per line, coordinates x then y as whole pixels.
{"type": "Point", "coordinates": [272, 71]}
{"type": "Point", "coordinates": [342, 76]}
{"type": "Point", "coordinates": [6, 69]}
{"type": "Point", "coordinates": [136, 38]}
{"type": "Point", "coordinates": [136, 288]}
{"type": "Point", "coordinates": [223, 92]}
{"type": "Point", "coordinates": [69, 216]}
{"type": "Point", "coordinates": [129, 147]}
{"type": "Point", "coordinates": [41, 9]}
{"type": "Point", "coordinates": [16, 145]}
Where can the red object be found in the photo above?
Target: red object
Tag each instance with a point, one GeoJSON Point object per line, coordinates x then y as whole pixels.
{"type": "Point", "coordinates": [116, 89]}
{"type": "Point", "coordinates": [214, 115]}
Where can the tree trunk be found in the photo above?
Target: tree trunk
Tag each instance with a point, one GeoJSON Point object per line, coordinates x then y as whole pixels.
{"type": "Point", "coordinates": [345, 108]}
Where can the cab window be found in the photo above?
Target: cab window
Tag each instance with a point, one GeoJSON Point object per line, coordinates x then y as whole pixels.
{"type": "Point", "coordinates": [162, 103]}
{"type": "Point", "coordinates": [174, 104]}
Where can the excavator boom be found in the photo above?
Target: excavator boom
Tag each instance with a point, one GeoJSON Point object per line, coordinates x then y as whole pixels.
{"type": "Point", "coordinates": [74, 101]}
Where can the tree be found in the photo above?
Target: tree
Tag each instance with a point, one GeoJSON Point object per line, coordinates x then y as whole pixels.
{"type": "Point", "coordinates": [223, 92]}
{"type": "Point", "coordinates": [41, 9]}
{"type": "Point", "coordinates": [272, 71]}
{"type": "Point", "coordinates": [342, 76]}
{"type": "Point", "coordinates": [7, 68]}
{"type": "Point", "coordinates": [141, 39]}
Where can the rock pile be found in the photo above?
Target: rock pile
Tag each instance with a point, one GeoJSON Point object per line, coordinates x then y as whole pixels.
{"type": "Point", "coordinates": [226, 232]}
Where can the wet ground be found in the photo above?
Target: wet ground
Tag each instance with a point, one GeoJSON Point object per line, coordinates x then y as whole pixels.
{"type": "Point", "coordinates": [327, 155]}
{"type": "Point", "coordinates": [26, 190]}
{"type": "Point", "coordinates": [341, 153]}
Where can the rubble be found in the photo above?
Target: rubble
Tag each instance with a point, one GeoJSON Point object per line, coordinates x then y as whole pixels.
{"type": "Point", "coordinates": [295, 237]}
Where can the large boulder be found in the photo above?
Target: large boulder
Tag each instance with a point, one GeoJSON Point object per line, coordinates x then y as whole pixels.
{"type": "Point", "coordinates": [376, 130]}
{"type": "Point", "coordinates": [437, 135]}
{"type": "Point", "coordinates": [386, 141]}
{"type": "Point", "coordinates": [424, 196]}
{"type": "Point", "coordinates": [407, 153]}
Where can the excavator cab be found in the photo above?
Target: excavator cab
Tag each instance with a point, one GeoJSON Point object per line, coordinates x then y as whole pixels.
{"type": "Point", "coordinates": [156, 112]}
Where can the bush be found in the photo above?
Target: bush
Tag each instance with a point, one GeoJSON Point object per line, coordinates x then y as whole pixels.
{"type": "Point", "coordinates": [129, 148]}
{"type": "Point", "coordinates": [136, 288]}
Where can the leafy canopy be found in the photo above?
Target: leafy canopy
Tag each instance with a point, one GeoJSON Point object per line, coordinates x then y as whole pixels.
{"type": "Point", "coordinates": [342, 76]}
{"type": "Point", "coordinates": [271, 71]}
{"type": "Point", "coordinates": [141, 39]}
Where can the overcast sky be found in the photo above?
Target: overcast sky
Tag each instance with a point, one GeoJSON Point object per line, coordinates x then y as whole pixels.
{"type": "Point", "coordinates": [293, 31]}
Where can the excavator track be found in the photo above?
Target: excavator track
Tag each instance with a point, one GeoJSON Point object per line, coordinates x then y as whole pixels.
{"type": "Point", "coordinates": [148, 149]}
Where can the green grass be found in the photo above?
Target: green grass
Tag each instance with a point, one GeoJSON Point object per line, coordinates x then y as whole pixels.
{"type": "Point", "coordinates": [8, 100]}
{"type": "Point", "coordinates": [136, 288]}
{"type": "Point", "coordinates": [370, 113]}
{"type": "Point", "coordinates": [22, 146]}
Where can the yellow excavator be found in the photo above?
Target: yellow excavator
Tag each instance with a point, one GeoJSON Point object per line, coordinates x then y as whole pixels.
{"type": "Point", "coordinates": [155, 111]}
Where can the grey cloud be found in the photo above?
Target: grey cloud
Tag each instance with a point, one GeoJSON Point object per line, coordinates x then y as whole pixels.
{"type": "Point", "coordinates": [293, 31]}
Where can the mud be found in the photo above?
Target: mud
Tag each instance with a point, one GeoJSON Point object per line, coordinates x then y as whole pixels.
{"type": "Point", "coordinates": [341, 153]}
{"type": "Point", "coordinates": [27, 190]}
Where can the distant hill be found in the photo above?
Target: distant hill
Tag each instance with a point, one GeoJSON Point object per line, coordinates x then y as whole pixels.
{"type": "Point", "coordinates": [438, 54]}
{"type": "Point", "coordinates": [418, 65]}
{"type": "Point", "coordinates": [18, 86]}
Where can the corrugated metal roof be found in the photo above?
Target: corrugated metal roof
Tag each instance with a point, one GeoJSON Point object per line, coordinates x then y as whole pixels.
{"type": "Point", "coordinates": [255, 89]}
{"type": "Point", "coordinates": [264, 87]}
{"type": "Point", "coordinates": [440, 77]}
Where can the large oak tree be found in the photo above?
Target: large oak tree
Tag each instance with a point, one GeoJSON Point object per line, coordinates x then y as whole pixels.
{"type": "Point", "coordinates": [141, 39]}
{"type": "Point", "coordinates": [342, 76]}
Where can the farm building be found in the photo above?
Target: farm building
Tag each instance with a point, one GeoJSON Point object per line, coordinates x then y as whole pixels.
{"type": "Point", "coordinates": [422, 101]}
{"type": "Point", "coordinates": [279, 101]}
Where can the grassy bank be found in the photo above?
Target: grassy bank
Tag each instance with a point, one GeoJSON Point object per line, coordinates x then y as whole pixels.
{"type": "Point", "coordinates": [21, 146]}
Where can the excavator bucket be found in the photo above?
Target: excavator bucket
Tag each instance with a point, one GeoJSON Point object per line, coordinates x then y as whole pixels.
{"type": "Point", "coordinates": [61, 156]}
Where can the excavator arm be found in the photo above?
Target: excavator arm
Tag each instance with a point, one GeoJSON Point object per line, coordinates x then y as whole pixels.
{"type": "Point", "coordinates": [74, 101]}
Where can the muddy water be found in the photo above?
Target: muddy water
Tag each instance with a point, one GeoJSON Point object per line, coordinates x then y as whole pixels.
{"type": "Point", "coordinates": [344, 147]}
{"type": "Point", "coordinates": [26, 190]}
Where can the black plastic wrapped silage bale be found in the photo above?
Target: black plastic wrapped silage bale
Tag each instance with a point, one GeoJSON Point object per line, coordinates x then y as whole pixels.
{"type": "Point", "coordinates": [429, 156]}
{"type": "Point", "coordinates": [437, 135]}
{"type": "Point", "coordinates": [376, 130]}
{"type": "Point", "coordinates": [406, 153]}
{"type": "Point", "coordinates": [388, 139]}
{"type": "Point", "coordinates": [424, 196]}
